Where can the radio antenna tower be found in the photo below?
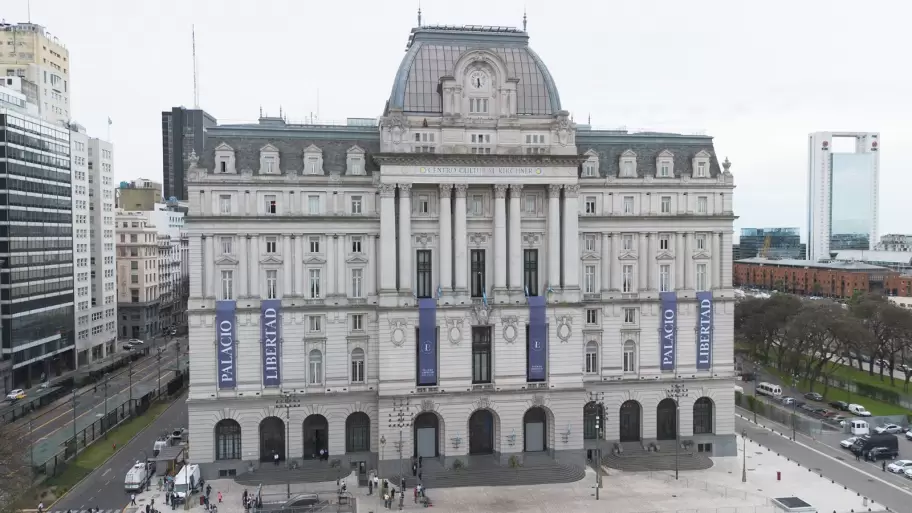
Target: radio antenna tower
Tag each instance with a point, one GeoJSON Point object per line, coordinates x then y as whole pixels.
{"type": "Point", "coordinates": [196, 99]}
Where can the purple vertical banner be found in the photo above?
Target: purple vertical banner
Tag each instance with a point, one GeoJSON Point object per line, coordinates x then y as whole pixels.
{"type": "Point", "coordinates": [226, 349]}
{"type": "Point", "coordinates": [427, 342]}
{"type": "Point", "coordinates": [538, 340]}
{"type": "Point", "coordinates": [704, 330]}
{"type": "Point", "coordinates": [270, 331]}
{"type": "Point", "coordinates": [668, 330]}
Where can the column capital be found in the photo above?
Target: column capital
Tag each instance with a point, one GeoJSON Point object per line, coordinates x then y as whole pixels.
{"type": "Point", "coordinates": [387, 190]}
{"type": "Point", "coordinates": [516, 187]}
{"type": "Point", "coordinates": [461, 189]}
{"type": "Point", "coordinates": [446, 190]}
{"type": "Point", "coordinates": [500, 190]}
{"type": "Point", "coordinates": [571, 191]}
{"type": "Point", "coordinates": [554, 191]}
{"type": "Point", "coordinates": [404, 188]}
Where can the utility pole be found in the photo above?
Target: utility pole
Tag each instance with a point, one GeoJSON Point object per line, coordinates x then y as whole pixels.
{"type": "Point", "coordinates": [130, 373]}
{"type": "Point", "coordinates": [159, 364]}
{"type": "Point", "coordinates": [599, 399]}
{"type": "Point", "coordinates": [288, 400]}
{"type": "Point", "coordinates": [744, 456]}
{"type": "Point", "coordinates": [104, 423]}
{"type": "Point", "coordinates": [675, 392]}
{"type": "Point", "coordinates": [31, 450]}
{"type": "Point", "coordinates": [75, 442]}
{"type": "Point", "coordinates": [400, 418]}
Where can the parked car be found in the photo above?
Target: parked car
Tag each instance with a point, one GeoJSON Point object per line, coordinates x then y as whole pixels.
{"type": "Point", "coordinates": [787, 400]}
{"type": "Point", "coordinates": [16, 394]}
{"type": "Point", "coordinates": [837, 418]}
{"type": "Point", "coordinates": [840, 405]}
{"type": "Point", "coordinates": [821, 411]}
{"type": "Point", "coordinates": [128, 347]}
{"type": "Point", "coordinates": [908, 473]}
{"type": "Point", "coordinates": [848, 442]}
{"type": "Point", "coordinates": [909, 435]}
{"type": "Point", "coordinates": [135, 342]}
{"type": "Point", "coordinates": [859, 410]}
{"type": "Point", "coordinates": [881, 453]}
{"type": "Point", "coordinates": [899, 466]}
{"type": "Point", "coordinates": [813, 396]}
{"type": "Point", "coordinates": [889, 428]}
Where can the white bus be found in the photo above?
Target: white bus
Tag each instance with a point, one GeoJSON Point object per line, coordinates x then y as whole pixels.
{"type": "Point", "coordinates": [769, 389]}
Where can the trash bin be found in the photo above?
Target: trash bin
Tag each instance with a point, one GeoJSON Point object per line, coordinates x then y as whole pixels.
{"type": "Point", "coordinates": [202, 500]}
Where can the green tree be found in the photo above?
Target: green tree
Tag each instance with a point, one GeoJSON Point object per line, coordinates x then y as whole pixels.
{"type": "Point", "coordinates": [15, 471]}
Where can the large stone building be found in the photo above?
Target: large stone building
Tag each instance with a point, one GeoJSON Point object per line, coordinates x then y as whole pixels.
{"type": "Point", "coordinates": [559, 266]}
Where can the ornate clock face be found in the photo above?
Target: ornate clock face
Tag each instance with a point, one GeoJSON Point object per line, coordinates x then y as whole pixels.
{"type": "Point", "coordinates": [478, 80]}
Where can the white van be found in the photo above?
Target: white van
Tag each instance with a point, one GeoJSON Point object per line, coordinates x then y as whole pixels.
{"type": "Point", "coordinates": [769, 389]}
{"type": "Point", "coordinates": [857, 409]}
{"type": "Point", "coordinates": [186, 480]}
{"type": "Point", "coordinates": [137, 477]}
{"type": "Point", "coordinates": [859, 428]}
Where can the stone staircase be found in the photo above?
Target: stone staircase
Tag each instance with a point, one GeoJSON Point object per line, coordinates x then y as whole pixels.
{"type": "Point", "coordinates": [634, 458]}
{"type": "Point", "coordinates": [308, 471]}
{"type": "Point", "coordinates": [486, 471]}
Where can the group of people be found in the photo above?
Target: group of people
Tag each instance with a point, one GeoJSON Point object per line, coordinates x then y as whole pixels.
{"type": "Point", "coordinates": [388, 492]}
{"type": "Point", "coordinates": [247, 500]}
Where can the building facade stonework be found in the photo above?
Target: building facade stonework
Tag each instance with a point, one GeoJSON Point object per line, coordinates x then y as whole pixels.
{"type": "Point", "coordinates": [481, 194]}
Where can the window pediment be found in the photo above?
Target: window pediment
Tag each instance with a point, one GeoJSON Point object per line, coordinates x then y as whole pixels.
{"type": "Point", "coordinates": [224, 147]}
{"type": "Point", "coordinates": [628, 255]}
{"type": "Point", "coordinates": [591, 256]}
{"type": "Point", "coordinates": [314, 260]}
{"type": "Point", "coordinates": [628, 164]}
{"type": "Point", "coordinates": [701, 255]}
{"type": "Point", "coordinates": [269, 148]}
{"type": "Point", "coordinates": [356, 259]}
{"type": "Point", "coordinates": [664, 255]}
{"type": "Point", "coordinates": [271, 259]}
{"type": "Point", "coordinates": [226, 260]}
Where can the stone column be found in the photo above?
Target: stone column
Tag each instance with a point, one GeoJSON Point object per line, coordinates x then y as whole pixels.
{"type": "Point", "coordinates": [445, 251]}
{"type": "Point", "coordinates": [571, 237]}
{"type": "Point", "coordinates": [554, 237]}
{"type": "Point", "coordinates": [606, 258]}
{"type": "Point", "coordinates": [679, 261]}
{"type": "Point", "coordinates": [405, 238]}
{"type": "Point", "coordinates": [210, 269]}
{"type": "Point", "coordinates": [249, 207]}
{"type": "Point", "coordinates": [342, 269]}
{"type": "Point", "coordinates": [459, 239]}
{"type": "Point", "coordinates": [298, 280]}
{"type": "Point", "coordinates": [243, 291]}
{"type": "Point", "coordinates": [387, 238]}
{"type": "Point", "coordinates": [688, 261]}
{"type": "Point", "coordinates": [500, 238]}
{"type": "Point", "coordinates": [716, 261]}
{"type": "Point", "coordinates": [254, 267]}
{"type": "Point", "coordinates": [329, 279]}
{"type": "Point", "coordinates": [651, 267]}
{"type": "Point", "coordinates": [615, 265]}
{"type": "Point", "coordinates": [286, 263]}
{"type": "Point", "coordinates": [726, 259]}
{"type": "Point", "coordinates": [515, 240]}
{"type": "Point", "coordinates": [643, 261]}
{"type": "Point", "coordinates": [370, 280]}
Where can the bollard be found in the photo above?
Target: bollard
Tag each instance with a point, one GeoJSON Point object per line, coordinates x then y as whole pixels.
{"type": "Point", "coordinates": [778, 476]}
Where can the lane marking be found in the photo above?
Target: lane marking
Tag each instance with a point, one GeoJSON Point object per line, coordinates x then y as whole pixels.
{"type": "Point", "coordinates": [105, 472]}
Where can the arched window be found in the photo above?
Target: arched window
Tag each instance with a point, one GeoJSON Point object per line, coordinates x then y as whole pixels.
{"type": "Point", "coordinates": [315, 361]}
{"type": "Point", "coordinates": [630, 349]}
{"type": "Point", "coordinates": [592, 357]}
{"type": "Point", "coordinates": [703, 416]}
{"type": "Point", "coordinates": [227, 440]}
{"type": "Point", "coordinates": [357, 365]}
{"type": "Point", "coordinates": [357, 432]}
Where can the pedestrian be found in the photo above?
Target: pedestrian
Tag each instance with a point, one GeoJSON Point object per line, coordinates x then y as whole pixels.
{"type": "Point", "coordinates": [167, 498]}
{"type": "Point", "coordinates": [414, 469]}
{"type": "Point", "coordinates": [40, 507]}
{"type": "Point", "coordinates": [147, 508]}
{"type": "Point", "coordinates": [857, 456]}
{"type": "Point", "coordinates": [220, 497]}
{"type": "Point", "coordinates": [416, 493]}
{"type": "Point", "coordinates": [370, 486]}
{"type": "Point", "coordinates": [275, 458]}
{"type": "Point", "coordinates": [133, 499]}
{"type": "Point", "coordinates": [883, 465]}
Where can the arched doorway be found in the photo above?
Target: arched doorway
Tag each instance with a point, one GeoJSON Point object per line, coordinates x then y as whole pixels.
{"type": "Point", "coordinates": [426, 442]}
{"type": "Point", "coordinates": [272, 439]}
{"type": "Point", "coordinates": [703, 416]}
{"type": "Point", "coordinates": [630, 421]}
{"type": "Point", "coordinates": [665, 420]}
{"type": "Point", "coordinates": [481, 432]}
{"type": "Point", "coordinates": [316, 436]}
{"type": "Point", "coordinates": [535, 430]}
{"type": "Point", "coordinates": [227, 440]}
{"type": "Point", "coordinates": [593, 420]}
{"type": "Point", "coordinates": [357, 432]}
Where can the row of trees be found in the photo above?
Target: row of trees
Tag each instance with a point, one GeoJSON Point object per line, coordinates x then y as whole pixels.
{"type": "Point", "coordinates": [15, 473]}
{"type": "Point", "coordinates": [805, 338]}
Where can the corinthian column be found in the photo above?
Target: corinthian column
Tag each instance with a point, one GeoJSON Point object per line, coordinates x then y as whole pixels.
{"type": "Point", "coordinates": [297, 287]}
{"type": "Point", "coordinates": [388, 237]}
{"type": "Point", "coordinates": [405, 237]}
{"type": "Point", "coordinates": [500, 237]}
{"type": "Point", "coordinates": [286, 264]}
{"type": "Point", "coordinates": [688, 261]}
{"type": "Point", "coordinates": [242, 266]}
{"type": "Point", "coordinates": [554, 236]}
{"type": "Point", "coordinates": [459, 239]}
{"type": "Point", "coordinates": [571, 237]}
{"type": "Point", "coordinates": [651, 267]}
{"type": "Point", "coordinates": [515, 240]}
{"type": "Point", "coordinates": [642, 272]}
{"type": "Point", "coordinates": [606, 261]}
{"type": "Point", "coordinates": [446, 238]}
{"type": "Point", "coordinates": [716, 261]}
{"type": "Point", "coordinates": [210, 271]}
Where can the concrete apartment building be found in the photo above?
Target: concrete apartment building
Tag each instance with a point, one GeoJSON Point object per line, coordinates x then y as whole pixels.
{"type": "Point", "coordinates": [93, 240]}
{"type": "Point", "coordinates": [29, 51]}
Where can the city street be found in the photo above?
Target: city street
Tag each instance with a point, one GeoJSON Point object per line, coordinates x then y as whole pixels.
{"type": "Point", "coordinates": [104, 488]}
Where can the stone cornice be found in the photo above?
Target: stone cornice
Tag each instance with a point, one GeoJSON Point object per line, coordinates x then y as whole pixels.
{"type": "Point", "coordinates": [409, 159]}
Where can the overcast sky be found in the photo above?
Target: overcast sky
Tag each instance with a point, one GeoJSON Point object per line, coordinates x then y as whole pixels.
{"type": "Point", "coordinates": [758, 76]}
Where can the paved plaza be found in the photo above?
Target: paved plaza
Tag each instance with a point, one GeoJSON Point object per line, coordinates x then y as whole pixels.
{"type": "Point", "coordinates": [717, 490]}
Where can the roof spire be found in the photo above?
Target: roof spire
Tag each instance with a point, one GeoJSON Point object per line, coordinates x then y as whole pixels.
{"type": "Point", "coordinates": [589, 121]}
{"type": "Point", "coordinates": [419, 13]}
{"type": "Point", "coordinates": [261, 111]}
{"type": "Point", "coordinates": [525, 19]}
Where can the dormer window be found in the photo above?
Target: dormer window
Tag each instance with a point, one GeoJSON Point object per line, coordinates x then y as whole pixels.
{"type": "Point", "coordinates": [627, 169]}
{"type": "Point", "coordinates": [313, 160]}
{"type": "Point", "coordinates": [591, 166]}
{"type": "Point", "coordinates": [269, 160]}
{"type": "Point", "coordinates": [701, 164]}
{"type": "Point", "coordinates": [223, 166]}
{"type": "Point", "coordinates": [354, 160]}
{"type": "Point", "coordinates": [224, 159]}
{"type": "Point", "coordinates": [269, 164]}
{"type": "Point", "coordinates": [701, 169]}
{"type": "Point", "coordinates": [628, 163]}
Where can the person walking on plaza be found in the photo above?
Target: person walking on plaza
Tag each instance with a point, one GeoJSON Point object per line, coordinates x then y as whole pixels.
{"type": "Point", "coordinates": [370, 486]}
{"type": "Point", "coordinates": [220, 497]}
{"type": "Point", "coordinates": [133, 499]}
{"type": "Point", "coordinates": [275, 458]}
{"type": "Point", "coordinates": [40, 507]}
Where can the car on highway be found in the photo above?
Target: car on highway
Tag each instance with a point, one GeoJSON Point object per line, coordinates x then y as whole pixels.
{"type": "Point", "coordinates": [128, 347]}
{"type": "Point", "coordinates": [813, 396]}
{"type": "Point", "coordinates": [881, 453]}
{"type": "Point", "coordinates": [840, 405]}
{"type": "Point", "coordinates": [859, 410]}
{"type": "Point", "coordinates": [788, 401]}
{"type": "Point", "coordinates": [848, 442]}
{"type": "Point", "coordinates": [16, 394]}
{"type": "Point", "coordinates": [135, 342]}
{"type": "Point", "coordinates": [909, 435]}
{"type": "Point", "coordinates": [899, 466]}
{"type": "Point", "coordinates": [889, 428]}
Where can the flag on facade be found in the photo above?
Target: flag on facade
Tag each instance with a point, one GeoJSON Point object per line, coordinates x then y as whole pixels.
{"type": "Point", "coordinates": [484, 298]}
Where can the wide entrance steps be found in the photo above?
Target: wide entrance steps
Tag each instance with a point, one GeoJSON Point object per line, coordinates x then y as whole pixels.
{"type": "Point", "coordinates": [308, 471]}
{"type": "Point", "coordinates": [634, 458]}
{"type": "Point", "coordinates": [486, 471]}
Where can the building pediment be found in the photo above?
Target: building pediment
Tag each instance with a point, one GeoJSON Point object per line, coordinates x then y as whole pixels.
{"type": "Point", "coordinates": [628, 256]}
{"type": "Point", "coordinates": [629, 154]}
{"type": "Point", "coordinates": [355, 150]}
{"type": "Point", "coordinates": [314, 260]}
{"type": "Point", "coordinates": [270, 259]}
{"type": "Point", "coordinates": [357, 259]}
{"type": "Point", "coordinates": [702, 154]}
{"type": "Point", "coordinates": [591, 153]}
{"type": "Point", "coordinates": [666, 155]}
{"type": "Point", "coordinates": [224, 147]}
{"type": "Point", "coordinates": [701, 255]}
{"type": "Point", "coordinates": [664, 255]}
{"type": "Point", "coordinates": [269, 149]}
{"type": "Point", "coordinates": [226, 260]}
{"type": "Point", "coordinates": [590, 256]}
{"type": "Point", "coordinates": [312, 149]}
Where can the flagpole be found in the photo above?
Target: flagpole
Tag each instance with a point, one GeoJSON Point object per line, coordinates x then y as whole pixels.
{"type": "Point", "coordinates": [109, 129]}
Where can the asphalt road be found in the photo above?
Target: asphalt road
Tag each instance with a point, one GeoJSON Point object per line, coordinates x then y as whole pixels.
{"type": "Point", "coordinates": [839, 465]}
{"type": "Point", "coordinates": [104, 488]}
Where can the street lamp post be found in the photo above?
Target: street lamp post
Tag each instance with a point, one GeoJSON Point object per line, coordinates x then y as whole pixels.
{"type": "Point", "coordinates": [400, 418]}
{"type": "Point", "coordinates": [130, 374]}
{"type": "Point", "coordinates": [75, 442]}
{"type": "Point", "coordinates": [288, 400]}
{"type": "Point", "coordinates": [104, 421]}
{"type": "Point", "coordinates": [675, 392]}
{"type": "Point", "coordinates": [599, 399]}
{"type": "Point", "coordinates": [744, 456]}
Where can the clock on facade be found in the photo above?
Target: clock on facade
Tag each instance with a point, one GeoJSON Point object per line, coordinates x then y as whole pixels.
{"type": "Point", "coordinates": [478, 80]}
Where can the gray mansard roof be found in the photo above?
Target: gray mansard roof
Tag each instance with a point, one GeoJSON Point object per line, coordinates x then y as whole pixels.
{"type": "Point", "coordinates": [432, 53]}
{"type": "Point", "coordinates": [610, 144]}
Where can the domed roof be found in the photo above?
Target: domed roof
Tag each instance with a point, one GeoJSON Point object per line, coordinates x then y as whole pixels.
{"type": "Point", "coordinates": [433, 51]}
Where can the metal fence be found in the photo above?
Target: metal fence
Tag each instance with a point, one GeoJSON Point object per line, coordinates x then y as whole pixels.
{"type": "Point", "coordinates": [696, 484]}
{"type": "Point", "coordinates": [784, 415]}
{"type": "Point", "coordinates": [738, 509]}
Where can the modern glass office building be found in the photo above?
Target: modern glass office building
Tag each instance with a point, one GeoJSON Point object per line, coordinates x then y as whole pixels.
{"type": "Point", "coordinates": [783, 243]}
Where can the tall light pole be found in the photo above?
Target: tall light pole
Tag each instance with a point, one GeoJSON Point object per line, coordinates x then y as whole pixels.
{"type": "Point", "coordinates": [104, 422]}
{"type": "Point", "coordinates": [400, 418]}
{"type": "Point", "coordinates": [130, 373]}
{"type": "Point", "coordinates": [31, 450]}
{"type": "Point", "coordinates": [75, 442]}
{"type": "Point", "coordinates": [288, 400]}
{"type": "Point", "coordinates": [675, 392]}
{"type": "Point", "coordinates": [599, 399]}
{"type": "Point", "coordinates": [744, 456]}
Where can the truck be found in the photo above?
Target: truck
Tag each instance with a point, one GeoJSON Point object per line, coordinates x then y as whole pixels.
{"type": "Point", "coordinates": [875, 446]}
{"type": "Point", "coordinates": [186, 481]}
{"type": "Point", "coordinates": [137, 477]}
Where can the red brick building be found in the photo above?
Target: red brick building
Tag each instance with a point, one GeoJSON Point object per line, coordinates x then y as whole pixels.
{"type": "Point", "coordinates": [804, 277]}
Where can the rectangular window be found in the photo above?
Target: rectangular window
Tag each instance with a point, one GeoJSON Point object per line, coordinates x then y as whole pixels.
{"type": "Point", "coordinates": [589, 242]}
{"type": "Point", "coordinates": [357, 322]}
{"type": "Point", "coordinates": [357, 366]}
{"type": "Point", "coordinates": [666, 204]}
{"type": "Point", "coordinates": [701, 241]}
{"type": "Point", "coordinates": [224, 204]}
{"type": "Point", "coordinates": [477, 204]}
{"type": "Point", "coordinates": [629, 357]}
{"type": "Point", "coordinates": [314, 285]}
{"type": "Point", "coordinates": [316, 367]}
{"type": "Point", "coordinates": [314, 244]}
{"type": "Point", "coordinates": [272, 284]}
{"type": "Point", "coordinates": [590, 205]}
{"type": "Point", "coordinates": [589, 169]}
{"type": "Point", "coordinates": [630, 316]}
{"type": "Point", "coordinates": [664, 170]}
{"type": "Point", "coordinates": [481, 354]}
{"type": "Point", "coordinates": [423, 270]}
{"type": "Point", "coordinates": [664, 278]}
{"type": "Point", "coordinates": [592, 359]}
{"type": "Point", "coordinates": [663, 242]}
{"type": "Point", "coordinates": [627, 242]}
{"type": "Point", "coordinates": [313, 205]}
{"type": "Point", "coordinates": [223, 166]}
{"type": "Point", "coordinates": [701, 169]}
{"type": "Point", "coordinates": [589, 285]}
{"type": "Point", "coordinates": [271, 206]}
{"type": "Point", "coordinates": [628, 169]}
{"type": "Point", "coordinates": [356, 244]}
{"type": "Point", "coordinates": [270, 164]}
{"type": "Point", "coordinates": [478, 272]}
{"type": "Point", "coordinates": [356, 205]}
{"type": "Point", "coordinates": [530, 204]}
{"type": "Point", "coordinates": [357, 280]}
{"type": "Point", "coordinates": [702, 207]}
{"type": "Point", "coordinates": [628, 204]}
{"type": "Point", "coordinates": [530, 271]}
{"type": "Point", "coordinates": [271, 245]}
{"type": "Point", "coordinates": [592, 316]}
{"type": "Point", "coordinates": [314, 324]}
{"type": "Point", "coordinates": [627, 278]}
{"type": "Point", "coordinates": [702, 282]}
{"type": "Point", "coordinates": [424, 204]}
{"type": "Point", "coordinates": [227, 285]}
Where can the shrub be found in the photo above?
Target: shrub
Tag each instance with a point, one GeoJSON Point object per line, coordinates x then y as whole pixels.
{"type": "Point", "coordinates": [458, 464]}
{"type": "Point", "coordinates": [514, 462]}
